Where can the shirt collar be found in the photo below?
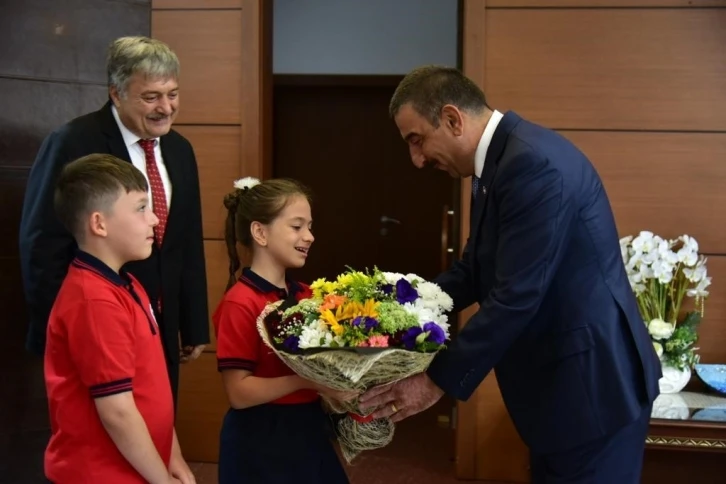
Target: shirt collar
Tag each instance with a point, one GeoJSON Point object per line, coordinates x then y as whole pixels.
{"type": "Point", "coordinates": [484, 142]}
{"type": "Point", "coordinates": [88, 262]}
{"type": "Point", "coordinates": [129, 138]}
{"type": "Point", "coordinates": [262, 285]}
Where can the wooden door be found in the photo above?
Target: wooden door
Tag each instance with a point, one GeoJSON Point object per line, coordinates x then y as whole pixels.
{"type": "Point", "coordinates": [371, 206]}
{"type": "Point", "coordinates": [224, 47]}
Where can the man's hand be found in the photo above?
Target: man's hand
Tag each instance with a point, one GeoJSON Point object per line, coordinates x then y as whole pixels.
{"type": "Point", "coordinates": [403, 398]}
{"type": "Point", "coordinates": [179, 469]}
{"type": "Point", "coordinates": [191, 353]}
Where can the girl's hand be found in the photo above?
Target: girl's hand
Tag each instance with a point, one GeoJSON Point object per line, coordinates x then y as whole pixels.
{"type": "Point", "coordinates": [332, 394]}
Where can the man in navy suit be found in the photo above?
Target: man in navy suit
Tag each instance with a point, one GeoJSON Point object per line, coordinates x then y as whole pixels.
{"type": "Point", "coordinates": [557, 319]}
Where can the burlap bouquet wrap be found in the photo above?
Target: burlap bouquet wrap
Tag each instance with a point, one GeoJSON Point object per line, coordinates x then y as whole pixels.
{"type": "Point", "coordinates": [352, 369]}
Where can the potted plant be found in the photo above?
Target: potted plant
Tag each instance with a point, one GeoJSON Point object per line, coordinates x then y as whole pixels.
{"type": "Point", "coordinates": [662, 273]}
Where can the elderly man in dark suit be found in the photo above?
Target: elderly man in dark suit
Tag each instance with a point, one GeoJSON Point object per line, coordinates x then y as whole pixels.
{"type": "Point", "coordinates": [557, 319]}
{"type": "Point", "coordinates": [135, 125]}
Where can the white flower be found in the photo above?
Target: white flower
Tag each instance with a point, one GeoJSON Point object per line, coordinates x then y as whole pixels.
{"type": "Point", "coordinates": [658, 348]}
{"type": "Point", "coordinates": [663, 271]}
{"type": "Point", "coordinates": [313, 334]}
{"type": "Point", "coordinates": [659, 329]}
{"type": "Point", "coordinates": [700, 289]}
{"type": "Point", "coordinates": [246, 182]}
{"type": "Point", "coordinates": [413, 277]}
{"type": "Point", "coordinates": [425, 315]}
{"type": "Point", "coordinates": [392, 277]}
{"type": "Point", "coordinates": [644, 242]}
{"type": "Point", "coordinates": [697, 273]}
{"type": "Point", "coordinates": [666, 254]}
{"type": "Point", "coordinates": [434, 297]}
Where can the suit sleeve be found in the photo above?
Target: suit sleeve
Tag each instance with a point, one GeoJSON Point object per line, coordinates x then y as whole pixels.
{"type": "Point", "coordinates": [194, 315]}
{"type": "Point", "coordinates": [535, 215]}
{"type": "Point", "coordinates": [46, 247]}
{"type": "Point", "coordinates": [458, 282]}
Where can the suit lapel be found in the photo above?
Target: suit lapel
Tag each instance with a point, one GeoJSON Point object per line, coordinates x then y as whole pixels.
{"type": "Point", "coordinates": [116, 145]}
{"type": "Point", "coordinates": [491, 162]}
{"type": "Point", "coordinates": [175, 177]}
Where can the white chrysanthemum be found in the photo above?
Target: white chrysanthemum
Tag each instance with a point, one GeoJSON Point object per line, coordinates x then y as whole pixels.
{"type": "Point", "coordinates": [246, 182]}
{"type": "Point", "coordinates": [313, 334]}
{"type": "Point", "coordinates": [426, 314]}
{"type": "Point", "coordinates": [413, 277]}
{"type": "Point", "coordinates": [392, 277]}
{"type": "Point", "coordinates": [434, 297]}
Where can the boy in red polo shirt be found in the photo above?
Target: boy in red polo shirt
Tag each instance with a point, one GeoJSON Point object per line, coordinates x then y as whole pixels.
{"type": "Point", "coordinates": [111, 408]}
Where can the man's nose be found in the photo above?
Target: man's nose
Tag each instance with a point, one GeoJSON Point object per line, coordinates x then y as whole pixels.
{"type": "Point", "coordinates": [418, 159]}
{"type": "Point", "coordinates": [165, 106]}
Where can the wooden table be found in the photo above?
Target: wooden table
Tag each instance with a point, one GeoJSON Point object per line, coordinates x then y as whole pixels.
{"type": "Point", "coordinates": [687, 438]}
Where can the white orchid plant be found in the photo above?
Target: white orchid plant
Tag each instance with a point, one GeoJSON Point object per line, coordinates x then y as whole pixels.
{"type": "Point", "coordinates": [661, 273]}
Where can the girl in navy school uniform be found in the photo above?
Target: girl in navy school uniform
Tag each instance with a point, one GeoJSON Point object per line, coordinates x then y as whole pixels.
{"type": "Point", "coordinates": [275, 430]}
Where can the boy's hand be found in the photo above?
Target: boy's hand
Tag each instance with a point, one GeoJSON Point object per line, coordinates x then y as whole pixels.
{"type": "Point", "coordinates": [179, 469]}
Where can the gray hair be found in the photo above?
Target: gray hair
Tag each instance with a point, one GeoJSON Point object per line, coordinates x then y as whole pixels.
{"type": "Point", "coordinates": [129, 55]}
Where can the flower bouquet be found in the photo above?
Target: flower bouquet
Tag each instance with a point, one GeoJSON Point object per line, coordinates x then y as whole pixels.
{"type": "Point", "coordinates": [359, 331]}
{"type": "Point", "coordinates": [661, 273]}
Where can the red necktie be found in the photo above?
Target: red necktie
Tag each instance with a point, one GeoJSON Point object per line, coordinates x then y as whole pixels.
{"type": "Point", "coordinates": [158, 195]}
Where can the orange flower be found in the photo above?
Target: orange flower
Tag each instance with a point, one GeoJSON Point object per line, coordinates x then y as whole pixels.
{"type": "Point", "coordinates": [331, 301]}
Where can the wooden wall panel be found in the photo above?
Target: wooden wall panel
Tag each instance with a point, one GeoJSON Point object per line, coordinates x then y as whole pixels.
{"type": "Point", "coordinates": [501, 456]}
{"type": "Point", "coordinates": [201, 408]}
{"type": "Point", "coordinates": [218, 152]}
{"type": "Point", "coordinates": [668, 183]}
{"type": "Point", "coordinates": [639, 69]}
{"type": "Point", "coordinates": [215, 252]}
{"type": "Point", "coordinates": [600, 3]}
{"type": "Point", "coordinates": [224, 47]}
{"type": "Point", "coordinates": [194, 4]}
{"type": "Point", "coordinates": [208, 44]}
{"type": "Point", "coordinates": [256, 88]}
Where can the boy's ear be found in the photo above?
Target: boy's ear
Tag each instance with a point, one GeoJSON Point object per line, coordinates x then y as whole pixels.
{"type": "Point", "coordinates": [259, 233]}
{"type": "Point", "coordinates": [97, 224]}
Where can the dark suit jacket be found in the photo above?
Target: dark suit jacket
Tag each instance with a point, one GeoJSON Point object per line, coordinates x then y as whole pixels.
{"type": "Point", "coordinates": [557, 320]}
{"type": "Point", "coordinates": [176, 272]}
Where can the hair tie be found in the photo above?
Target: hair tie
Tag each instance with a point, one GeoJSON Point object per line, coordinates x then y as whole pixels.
{"type": "Point", "coordinates": [246, 183]}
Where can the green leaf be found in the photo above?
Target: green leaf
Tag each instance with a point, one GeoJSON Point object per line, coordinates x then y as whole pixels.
{"type": "Point", "coordinates": [422, 337]}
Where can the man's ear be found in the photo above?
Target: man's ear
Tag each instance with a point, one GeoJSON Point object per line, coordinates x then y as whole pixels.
{"type": "Point", "coordinates": [115, 96]}
{"type": "Point", "coordinates": [259, 233]}
{"type": "Point", "coordinates": [452, 119]}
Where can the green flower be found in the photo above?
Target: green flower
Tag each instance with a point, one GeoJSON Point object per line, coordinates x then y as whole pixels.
{"type": "Point", "coordinates": [393, 317]}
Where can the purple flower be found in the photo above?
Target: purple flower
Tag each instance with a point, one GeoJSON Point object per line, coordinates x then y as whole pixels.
{"type": "Point", "coordinates": [292, 343]}
{"type": "Point", "coordinates": [405, 292]}
{"type": "Point", "coordinates": [387, 288]}
{"type": "Point", "coordinates": [436, 334]}
{"type": "Point", "coordinates": [409, 337]}
{"type": "Point", "coordinates": [365, 322]}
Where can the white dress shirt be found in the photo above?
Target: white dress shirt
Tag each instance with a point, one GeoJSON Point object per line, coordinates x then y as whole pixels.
{"type": "Point", "coordinates": [486, 138]}
{"type": "Point", "coordinates": [138, 158]}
